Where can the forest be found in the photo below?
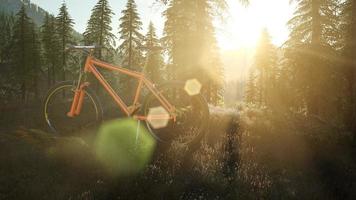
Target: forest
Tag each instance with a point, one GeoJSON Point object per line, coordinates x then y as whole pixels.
{"type": "Point", "coordinates": [296, 123]}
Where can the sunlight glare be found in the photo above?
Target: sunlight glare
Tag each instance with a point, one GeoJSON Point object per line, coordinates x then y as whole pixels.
{"type": "Point", "coordinates": [158, 117]}
{"type": "Point", "coordinates": [192, 87]}
{"type": "Point", "coordinates": [244, 24]}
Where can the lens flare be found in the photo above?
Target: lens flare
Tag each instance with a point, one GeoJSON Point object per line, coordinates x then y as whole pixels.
{"type": "Point", "coordinates": [193, 87]}
{"type": "Point", "coordinates": [158, 117]}
{"type": "Point", "coordinates": [118, 149]}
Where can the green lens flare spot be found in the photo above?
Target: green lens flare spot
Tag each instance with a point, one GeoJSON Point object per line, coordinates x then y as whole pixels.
{"type": "Point", "coordinates": [124, 147]}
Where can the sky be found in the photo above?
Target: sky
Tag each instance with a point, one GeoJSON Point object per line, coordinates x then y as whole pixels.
{"type": "Point", "coordinates": [236, 35]}
{"type": "Point", "coordinates": [241, 29]}
{"type": "Point", "coordinates": [80, 11]}
{"type": "Point", "coordinates": [244, 24]}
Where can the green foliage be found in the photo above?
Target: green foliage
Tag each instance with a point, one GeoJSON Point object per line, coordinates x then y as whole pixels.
{"type": "Point", "coordinates": [99, 29]}
{"type": "Point", "coordinates": [36, 13]}
{"type": "Point", "coordinates": [191, 45]}
{"type": "Point", "coordinates": [131, 39]}
{"type": "Point", "coordinates": [251, 87]}
{"type": "Point", "coordinates": [154, 59]}
{"type": "Point", "coordinates": [311, 55]}
{"type": "Point", "coordinates": [131, 47]}
{"type": "Point", "coordinates": [261, 85]}
{"type": "Point", "coordinates": [25, 53]}
{"type": "Point", "coordinates": [313, 73]}
{"type": "Point", "coordinates": [293, 156]}
{"type": "Point", "coordinates": [64, 28]}
{"type": "Point", "coordinates": [51, 48]}
{"type": "Point", "coordinates": [348, 51]}
{"type": "Point", "coordinates": [6, 22]}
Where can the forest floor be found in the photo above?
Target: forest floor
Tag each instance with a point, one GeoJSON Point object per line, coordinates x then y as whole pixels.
{"type": "Point", "coordinates": [38, 165]}
{"type": "Point", "coordinates": [274, 163]}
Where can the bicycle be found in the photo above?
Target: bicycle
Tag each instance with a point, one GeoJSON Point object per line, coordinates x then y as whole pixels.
{"type": "Point", "coordinates": [72, 105]}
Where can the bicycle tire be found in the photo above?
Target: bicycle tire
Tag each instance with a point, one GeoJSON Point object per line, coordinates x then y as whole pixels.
{"type": "Point", "coordinates": [55, 110]}
{"type": "Point", "coordinates": [170, 128]}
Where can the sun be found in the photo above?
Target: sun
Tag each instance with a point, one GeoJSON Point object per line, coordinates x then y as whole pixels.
{"type": "Point", "coordinates": [240, 31]}
{"type": "Point", "coordinates": [248, 36]}
{"type": "Point", "coordinates": [243, 26]}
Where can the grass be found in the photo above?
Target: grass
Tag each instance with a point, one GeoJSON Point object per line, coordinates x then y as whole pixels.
{"type": "Point", "coordinates": [280, 157]}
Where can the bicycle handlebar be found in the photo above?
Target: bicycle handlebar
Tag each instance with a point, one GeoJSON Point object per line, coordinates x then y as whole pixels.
{"type": "Point", "coordinates": [85, 48]}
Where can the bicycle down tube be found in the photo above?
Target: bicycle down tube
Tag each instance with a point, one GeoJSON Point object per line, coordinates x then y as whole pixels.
{"type": "Point", "coordinates": [91, 65]}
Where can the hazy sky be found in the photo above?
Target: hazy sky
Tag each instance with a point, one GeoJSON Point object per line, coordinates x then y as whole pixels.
{"type": "Point", "coordinates": [80, 11]}
{"type": "Point", "coordinates": [241, 29]}
{"type": "Point", "coordinates": [244, 25]}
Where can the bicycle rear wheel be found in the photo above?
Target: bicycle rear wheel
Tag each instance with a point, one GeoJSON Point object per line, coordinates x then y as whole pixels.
{"type": "Point", "coordinates": [57, 104]}
{"type": "Point", "coordinates": [192, 115]}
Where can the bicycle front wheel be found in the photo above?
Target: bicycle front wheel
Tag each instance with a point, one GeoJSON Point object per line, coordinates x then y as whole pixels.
{"type": "Point", "coordinates": [58, 103]}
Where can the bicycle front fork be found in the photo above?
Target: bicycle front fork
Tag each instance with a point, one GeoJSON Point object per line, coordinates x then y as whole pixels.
{"type": "Point", "coordinates": [78, 100]}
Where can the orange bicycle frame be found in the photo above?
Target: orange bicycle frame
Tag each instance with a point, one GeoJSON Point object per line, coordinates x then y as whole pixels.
{"type": "Point", "coordinates": [91, 66]}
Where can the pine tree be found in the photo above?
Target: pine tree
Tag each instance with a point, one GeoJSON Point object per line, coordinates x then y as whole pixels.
{"type": "Point", "coordinates": [154, 59]}
{"type": "Point", "coordinates": [25, 53]}
{"type": "Point", "coordinates": [191, 45]}
{"type": "Point", "coordinates": [265, 63]}
{"type": "Point", "coordinates": [177, 38]}
{"type": "Point", "coordinates": [311, 43]}
{"type": "Point", "coordinates": [130, 48]}
{"type": "Point", "coordinates": [209, 61]}
{"type": "Point", "coordinates": [36, 59]}
{"type": "Point", "coordinates": [215, 86]}
{"type": "Point", "coordinates": [64, 28]}
{"type": "Point", "coordinates": [51, 47]}
{"type": "Point", "coordinates": [6, 22]}
{"type": "Point", "coordinates": [99, 29]}
{"type": "Point", "coordinates": [251, 88]}
{"type": "Point", "coordinates": [349, 51]}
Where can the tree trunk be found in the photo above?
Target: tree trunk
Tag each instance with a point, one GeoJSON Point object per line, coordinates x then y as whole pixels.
{"type": "Point", "coordinates": [352, 81]}
{"type": "Point", "coordinates": [49, 76]}
{"type": "Point", "coordinates": [101, 32]}
{"type": "Point", "coordinates": [23, 92]}
{"type": "Point", "coordinates": [130, 44]}
{"type": "Point", "coordinates": [35, 83]}
{"type": "Point", "coordinates": [313, 103]}
{"type": "Point", "coordinates": [64, 63]}
{"type": "Point", "coordinates": [53, 74]}
{"type": "Point", "coordinates": [316, 23]}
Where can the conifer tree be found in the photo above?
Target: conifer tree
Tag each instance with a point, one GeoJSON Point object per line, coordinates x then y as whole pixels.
{"type": "Point", "coordinates": [99, 29]}
{"type": "Point", "coordinates": [25, 53]}
{"type": "Point", "coordinates": [64, 28]}
{"type": "Point", "coordinates": [312, 38]}
{"type": "Point", "coordinates": [349, 51]}
{"type": "Point", "coordinates": [131, 39]}
{"type": "Point", "coordinates": [131, 47]}
{"type": "Point", "coordinates": [50, 42]}
{"type": "Point", "coordinates": [177, 38]}
{"type": "Point", "coordinates": [154, 59]}
{"type": "Point", "coordinates": [191, 44]}
{"type": "Point", "coordinates": [36, 60]}
{"type": "Point", "coordinates": [265, 63]}
{"type": "Point", "coordinates": [251, 89]}
{"type": "Point", "coordinates": [6, 22]}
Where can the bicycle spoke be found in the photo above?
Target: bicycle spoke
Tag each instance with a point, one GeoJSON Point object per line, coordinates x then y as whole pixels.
{"type": "Point", "coordinates": [58, 105]}
{"type": "Point", "coordinates": [189, 116]}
